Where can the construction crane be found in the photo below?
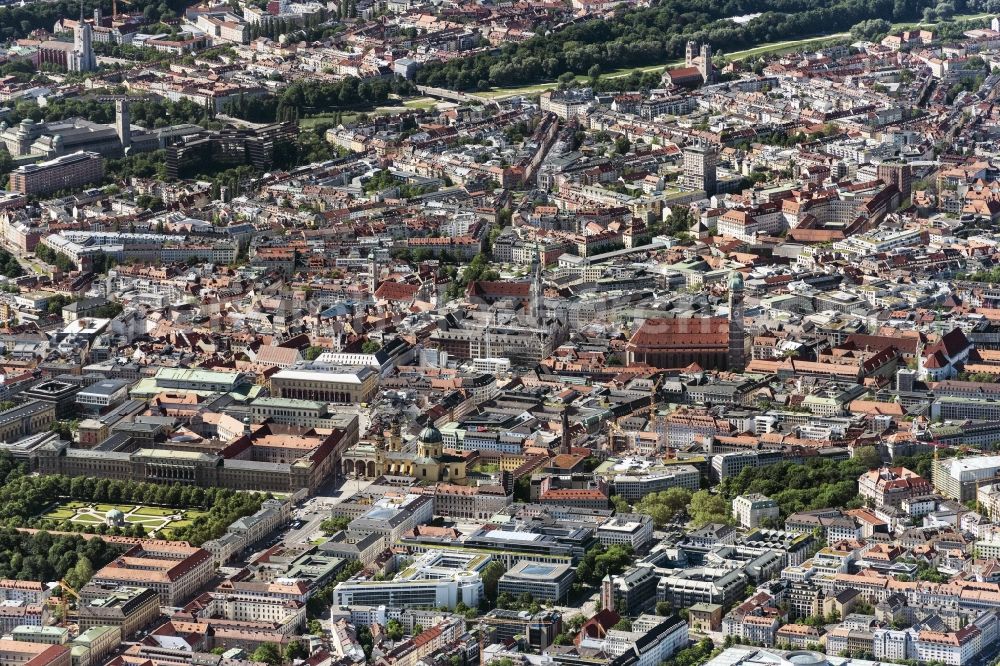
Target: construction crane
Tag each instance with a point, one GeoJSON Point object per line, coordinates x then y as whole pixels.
{"type": "Point", "coordinates": [64, 600]}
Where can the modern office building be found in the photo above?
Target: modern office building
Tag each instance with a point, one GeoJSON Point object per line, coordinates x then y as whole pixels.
{"type": "Point", "coordinates": [57, 393]}
{"type": "Point", "coordinates": [254, 146]}
{"type": "Point", "coordinates": [634, 530]}
{"type": "Point", "coordinates": [435, 579]}
{"type": "Point", "coordinates": [103, 395]}
{"type": "Point", "coordinates": [390, 517]}
{"type": "Point", "coordinates": [651, 641]}
{"type": "Point", "coordinates": [508, 547]}
{"type": "Point", "coordinates": [725, 465]}
{"type": "Point", "coordinates": [959, 478]}
{"type": "Point", "coordinates": [686, 587]}
{"type": "Point", "coordinates": [633, 591]}
{"type": "Point", "coordinates": [544, 582]}
{"type": "Point", "coordinates": [754, 656]}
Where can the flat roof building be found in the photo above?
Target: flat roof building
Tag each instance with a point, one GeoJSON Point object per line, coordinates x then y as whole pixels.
{"type": "Point", "coordinates": [102, 395]}
{"type": "Point", "coordinates": [634, 530]}
{"type": "Point", "coordinates": [544, 582]}
{"type": "Point", "coordinates": [435, 579]}
{"type": "Point", "coordinates": [958, 478]}
{"type": "Point", "coordinates": [65, 172]}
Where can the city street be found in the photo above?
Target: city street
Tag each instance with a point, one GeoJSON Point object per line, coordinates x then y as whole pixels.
{"type": "Point", "coordinates": [317, 509]}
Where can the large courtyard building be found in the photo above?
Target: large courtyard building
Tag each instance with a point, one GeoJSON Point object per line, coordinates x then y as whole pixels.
{"type": "Point", "coordinates": [175, 571]}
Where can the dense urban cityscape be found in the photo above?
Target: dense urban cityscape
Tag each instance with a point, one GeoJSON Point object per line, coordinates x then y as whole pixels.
{"type": "Point", "coordinates": [473, 333]}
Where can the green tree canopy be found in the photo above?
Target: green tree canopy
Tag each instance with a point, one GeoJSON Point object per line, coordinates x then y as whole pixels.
{"type": "Point", "coordinates": [269, 653]}
{"type": "Point", "coordinates": [708, 508]}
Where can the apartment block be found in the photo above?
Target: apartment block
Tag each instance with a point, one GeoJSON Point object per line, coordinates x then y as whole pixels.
{"type": "Point", "coordinates": [65, 172]}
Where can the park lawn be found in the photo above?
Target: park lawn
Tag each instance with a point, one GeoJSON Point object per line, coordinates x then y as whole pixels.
{"type": "Point", "coordinates": [157, 511]}
{"type": "Point", "coordinates": [104, 508]}
{"type": "Point", "coordinates": [494, 93]}
{"type": "Point", "coordinates": [786, 46]}
{"type": "Point", "coordinates": [149, 517]}
{"type": "Point", "coordinates": [60, 514]}
{"type": "Point", "coordinates": [312, 121]}
{"type": "Point", "coordinates": [420, 103]}
{"type": "Point", "coordinates": [896, 27]}
{"type": "Point", "coordinates": [155, 522]}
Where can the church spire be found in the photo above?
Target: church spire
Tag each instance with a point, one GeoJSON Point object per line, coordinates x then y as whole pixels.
{"type": "Point", "coordinates": [736, 361]}
{"type": "Point", "coordinates": [537, 290]}
{"type": "Point", "coordinates": [373, 270]}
